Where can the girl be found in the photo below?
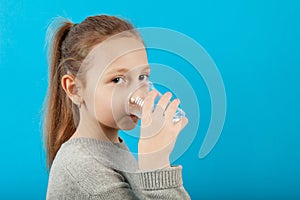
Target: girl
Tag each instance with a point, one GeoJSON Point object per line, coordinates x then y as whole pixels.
{"type": "Point", "coordinates": [93, 66]}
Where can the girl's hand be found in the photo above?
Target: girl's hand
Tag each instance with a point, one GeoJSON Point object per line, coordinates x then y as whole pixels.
{"type": "Point", "coordinates": [158, 131]}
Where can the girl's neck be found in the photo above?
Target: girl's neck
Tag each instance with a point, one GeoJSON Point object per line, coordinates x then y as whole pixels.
{"type": "Point", "coordinates": [93, 129]}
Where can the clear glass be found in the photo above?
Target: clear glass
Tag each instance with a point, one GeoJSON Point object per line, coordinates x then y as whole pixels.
{"type": "Point", "coordinates": [136, 101]}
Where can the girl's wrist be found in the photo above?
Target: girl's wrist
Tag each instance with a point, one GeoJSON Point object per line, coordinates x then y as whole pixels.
{"type": "Point", "coordinates": [149, 162]}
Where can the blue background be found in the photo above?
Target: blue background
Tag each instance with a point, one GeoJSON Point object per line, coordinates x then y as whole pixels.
{"type": "Point", "coordinates": [255, 45]}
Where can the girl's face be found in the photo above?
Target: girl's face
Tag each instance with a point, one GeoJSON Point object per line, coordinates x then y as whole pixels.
{"type": "Point", "coordinates": [117, 67]}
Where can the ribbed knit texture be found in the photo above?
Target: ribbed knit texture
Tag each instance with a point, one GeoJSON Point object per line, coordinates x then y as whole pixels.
{"type": "Point", "coordinates": [86, 168]}
{"type": "Point", "coordinates": [161, 179]}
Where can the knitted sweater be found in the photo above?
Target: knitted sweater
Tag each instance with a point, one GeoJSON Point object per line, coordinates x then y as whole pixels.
{"type": "Point", "coordinates": [86, 168]}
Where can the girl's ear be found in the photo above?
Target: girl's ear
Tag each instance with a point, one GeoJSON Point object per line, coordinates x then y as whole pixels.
{"type": "Point", "coordinates": [71, 88]}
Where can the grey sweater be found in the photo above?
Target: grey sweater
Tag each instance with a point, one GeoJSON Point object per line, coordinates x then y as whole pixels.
{"type": "Point", "coordinates": [86, 168]}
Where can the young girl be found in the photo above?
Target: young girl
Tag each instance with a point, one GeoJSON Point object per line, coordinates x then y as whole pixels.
{"type": "Point", "coordinates": [93, 67]}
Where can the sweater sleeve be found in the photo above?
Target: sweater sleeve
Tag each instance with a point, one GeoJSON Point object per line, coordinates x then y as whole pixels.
{"type": "Point", "coordinates": [155, 185]}
{"type": "Point", "coordinates": [162, 184]}
{"type": "Point", "coordinates": [151, 185]}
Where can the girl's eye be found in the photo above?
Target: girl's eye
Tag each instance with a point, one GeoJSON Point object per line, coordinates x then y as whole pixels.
{"type": "Point", "coordinates": [143, 77]}
{"type": "Point", "coordinates": [117, 80]}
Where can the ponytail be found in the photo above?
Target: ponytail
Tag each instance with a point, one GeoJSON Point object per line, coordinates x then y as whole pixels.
{"type": "Point", "coordinates": [58, 124]}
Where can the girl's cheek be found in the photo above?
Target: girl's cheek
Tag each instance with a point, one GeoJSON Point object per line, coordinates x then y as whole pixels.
{"type": "Point", "coordinates": [102, 103]}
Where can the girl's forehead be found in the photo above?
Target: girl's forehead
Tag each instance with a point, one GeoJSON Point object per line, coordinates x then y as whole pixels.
{"type": "Point", "coordinates": [130, 62]}
{"type": "Point", "coordinates": [115, 53]}
{"type": "Point", "coordinates": [112, 49]}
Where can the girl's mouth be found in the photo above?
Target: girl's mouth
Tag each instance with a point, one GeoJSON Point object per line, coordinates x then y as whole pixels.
{"type": "Point", "coordinates": [134, 118]}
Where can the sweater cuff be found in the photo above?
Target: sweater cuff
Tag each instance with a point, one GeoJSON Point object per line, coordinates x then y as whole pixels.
{"type": "Point", "coordinates": [161, 179]}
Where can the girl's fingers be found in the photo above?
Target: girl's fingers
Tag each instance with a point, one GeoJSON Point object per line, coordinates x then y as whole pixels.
{"type": "Point", "coordinates": [148, 103]}
{"type": "Point", "coordinates": [171, 110]}
{"type": "Point", "coordinates": [181, 123]}
{"type": "Point", "coordinates": [163, 102]}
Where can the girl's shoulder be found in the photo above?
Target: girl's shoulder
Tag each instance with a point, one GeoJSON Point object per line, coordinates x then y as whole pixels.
{"type": "Point", "coordinates": [79, 154]}
{"type": "Point", "coordinates": [79, 166]}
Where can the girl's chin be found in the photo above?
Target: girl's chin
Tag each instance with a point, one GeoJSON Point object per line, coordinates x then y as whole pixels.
{"type": "Point", "coordinates": [129, 123]}
{"type": "Point", "coordinates": [128, 127]}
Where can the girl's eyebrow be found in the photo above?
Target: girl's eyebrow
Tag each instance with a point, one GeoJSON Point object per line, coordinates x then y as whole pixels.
{"type": "Point", "coordinates": [124, 70]}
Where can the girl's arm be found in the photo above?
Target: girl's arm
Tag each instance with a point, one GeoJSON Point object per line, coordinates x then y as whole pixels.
{"type": "Point", "coordinates": [87, 178]}
{"type": "Point", "coordinates": [145, 185]}
{"type": "Point", "coordinates": [162, 184]}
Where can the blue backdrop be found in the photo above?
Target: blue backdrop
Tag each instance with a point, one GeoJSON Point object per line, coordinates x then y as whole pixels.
{"type": "Point", "coordinates": [256, 46]}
